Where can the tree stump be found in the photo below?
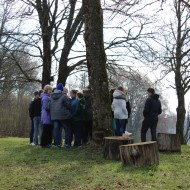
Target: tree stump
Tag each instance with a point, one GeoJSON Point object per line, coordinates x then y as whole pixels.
{"type": "Point", "coordinates": [168, 142]}
{"type": "Point", "coordinates": [111, 146]}
{"type": "Point", "coordinates": [139, 154]}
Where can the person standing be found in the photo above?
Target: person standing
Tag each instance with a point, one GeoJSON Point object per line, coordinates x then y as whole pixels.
{"type": "Point", "coordinates": [36, 109]}
{"type": "Point", "coordinates": [31, 114]}
{"type": "Point", "coordinates": [46, 118]}
{"type": "Point", "coordinates": [120, 110]}
{"type": "Point", "coordinates": [61, 116]}
{"type": "Point", "coordinates": [151, 111]}
{"type": "Point", "coordinates": [87, 127]}
{"type": "Point", "coordinates": [78, 119]}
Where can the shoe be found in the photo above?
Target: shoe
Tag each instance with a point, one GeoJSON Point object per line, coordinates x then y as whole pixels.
{"type": "Point", "coordinates": [67, 146]}
{"type": "Point", "coordinates": [32, 144]}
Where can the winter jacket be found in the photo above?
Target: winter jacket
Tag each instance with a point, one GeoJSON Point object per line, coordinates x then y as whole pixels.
{"type": "Point", "coordinates": [59, 106]}
{"type": "Point", "coordinates": [74, 103]}
{"type": "Point", "coordinates": [88, 104]}
{"type": "Point", "coordinates": [119, 105]}
{"type": "Point", "coordinates": [36, 107]}
{"type": "Point", "coordinates": [152, 107]}
{"type": "Point", "coordinates": [45, 116]}
{"type": "Point", "coordinates": [30, 109]}
{"type": "Point", "coordinates": [79, 113]}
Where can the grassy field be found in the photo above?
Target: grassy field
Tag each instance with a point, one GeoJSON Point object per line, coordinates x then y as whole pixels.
{"type": "Point", "coordinates": [34, 168]}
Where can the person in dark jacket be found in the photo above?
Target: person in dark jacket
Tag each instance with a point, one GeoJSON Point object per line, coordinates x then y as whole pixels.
{"type": "Point", "coordinates": [87, 127]}
{"type": "Point", "coordinates": [46, 118]}
{"type": "Point", "coordinates": [151, 111]}
{"type": "Point", "coordinates": [61, 116]}
{"type": "Point", "coordinates": [78, 118]}
{"type": "Point", "coordinates": [31, 114]}
{"type": "Point", "coordinates": [36, 110]}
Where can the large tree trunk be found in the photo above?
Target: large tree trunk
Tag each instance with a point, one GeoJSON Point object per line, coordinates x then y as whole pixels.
{"type": "Point", "coordinates": [178, 78]}
{"type": "Point", "coordinates": [96, 63]}
{"type": "Point", "coordinates": [43, 14]}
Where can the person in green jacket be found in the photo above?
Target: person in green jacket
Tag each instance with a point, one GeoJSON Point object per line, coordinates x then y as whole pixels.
{"type": "Point", "coordinates": [78, 119]}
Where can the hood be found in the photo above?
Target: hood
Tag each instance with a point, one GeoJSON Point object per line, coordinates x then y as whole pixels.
{"type": "Point", "coordinates": [86, 93]}
{"type": "Point", "coordinates": [155, 96]}
{"type": "Point", "coordinates": [57, 95]}
{"type": "Point", "coordinates": [118, 93]}
{"type": "Point", "coordinates": [82, 101]}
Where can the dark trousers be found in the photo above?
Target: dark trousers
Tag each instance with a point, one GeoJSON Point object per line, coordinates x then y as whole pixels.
{"type": "Point", "coordinates": [149, 123]}
{"type": "Point", "coordinates": [87, 131]}
{"type": "Point", "coordinates": [47, 134]}
{"type": "Point", "coordinates": [68, 131]}
{"type": "Point", "coordinates": [120, 126]}
{"type": "Point", "coordinates": [32, 131]}
{"type": "Point", "coordinates": [77, 129]}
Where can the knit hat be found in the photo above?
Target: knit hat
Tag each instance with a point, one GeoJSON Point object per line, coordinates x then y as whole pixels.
{"type": "Point", "coordinates": [60, 87]}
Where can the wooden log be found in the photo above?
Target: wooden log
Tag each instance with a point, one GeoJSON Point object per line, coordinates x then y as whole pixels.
{"type": "Point", "coordinates": [139, 154]}
{"type": "Point", "coordinates": [111, 146]}
{"type": "Point", "coordinates": [168, 142]}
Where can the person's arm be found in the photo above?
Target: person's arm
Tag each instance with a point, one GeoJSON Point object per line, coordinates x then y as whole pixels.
{"type": "Point", "coordinates": [45, 104]}
{"type": "Point", "coordinates": [128, 108]}
{"type": "Point", "coordinates": [31, 109]}
{"type": "Point", "coordinates": [146, 108]}
{"type": "Point", "coordinates": [160, 109]}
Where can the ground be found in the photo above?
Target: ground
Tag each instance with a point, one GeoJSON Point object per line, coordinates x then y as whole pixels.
{"type": "Point", "coordinates": [34, 168]}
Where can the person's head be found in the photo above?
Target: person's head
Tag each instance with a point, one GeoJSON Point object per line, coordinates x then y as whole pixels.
{"type": "Point", "coordinates": [79, 95]}
{"type": "Point", "coordinates": [73, 93]}
{"type": "Point", "coordinates": [48, 89]}
{"type": "Point", "coordinates": [36, 95]}
{"type": "Point", "coordinates": [65, 90]}
{"type": "Point", "coordinates": [60, 87]}
{"type": "Point", "coordinates": [112, 91]}
{"type": "Point", "coordinates": [121, 89]}
{"type": "Point", "coordinates": [150, 91]}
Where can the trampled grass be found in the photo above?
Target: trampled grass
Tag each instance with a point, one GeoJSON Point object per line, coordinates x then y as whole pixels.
{"type": "Point", "coordinates": [34, 168]}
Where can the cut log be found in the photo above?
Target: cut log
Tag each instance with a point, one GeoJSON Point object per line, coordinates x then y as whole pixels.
{"type": "Point", "coordinates": [139, 154]}
{"type": "Point", "coordinates": [168, 142]}
{"type": "Point", "coordinates": [111, 146]}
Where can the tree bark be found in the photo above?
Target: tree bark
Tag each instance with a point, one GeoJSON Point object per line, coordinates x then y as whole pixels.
{"type": "Point", "coordinates": [178, 77]}
{"type": "Point", "coordinates": [139, 154]}
{"type": "Point", "coordinates": [96, 63]}
{"type": "Point", "coordinates": [169, 142]}
{"type": "Point", "coordinates": [111, 146]}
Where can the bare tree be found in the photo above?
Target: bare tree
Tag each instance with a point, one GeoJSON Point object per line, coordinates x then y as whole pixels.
{"type": "Point", "coordinates": [175, 55]}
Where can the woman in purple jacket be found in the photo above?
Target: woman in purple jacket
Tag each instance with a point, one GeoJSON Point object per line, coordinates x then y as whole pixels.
{"type": "Point", "coordinates": [46, 118]}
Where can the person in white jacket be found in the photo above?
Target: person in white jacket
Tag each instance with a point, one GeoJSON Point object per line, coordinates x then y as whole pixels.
{"type": "Point", "coordinates": [120, 110]}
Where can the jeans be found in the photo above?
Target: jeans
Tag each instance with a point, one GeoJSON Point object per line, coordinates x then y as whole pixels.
{"type": "Point", "coordinates": [149, 123]}
{"type": "Point", "coordinates": [68, 131]}
{"type": "Point", "coordinates": [37, 127]}
{"type": "Point", "coordinates": [32, 131]}
{"type": "Point", "coordinates": [57, 132]}
{"type": "Point", "coordinates": [120, 126]}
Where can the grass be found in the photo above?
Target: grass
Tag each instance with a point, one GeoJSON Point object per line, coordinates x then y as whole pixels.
{"type": "Point", "coordinates": [34, 168]}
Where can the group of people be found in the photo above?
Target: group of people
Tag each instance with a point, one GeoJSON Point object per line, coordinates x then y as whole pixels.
{"type": "Point", "coordinates": [53, 110]}
{"type": "Point", "coordinates": [122, 110]}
